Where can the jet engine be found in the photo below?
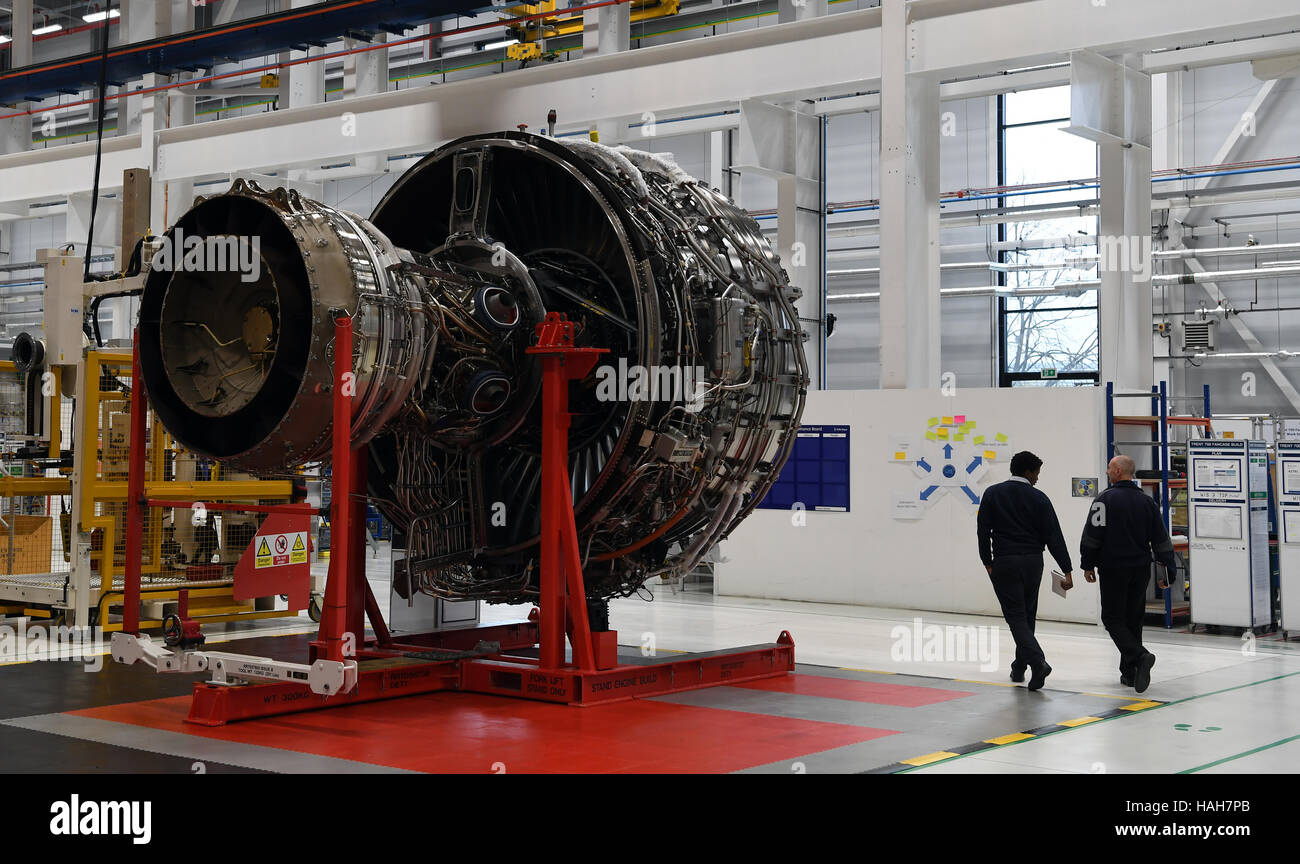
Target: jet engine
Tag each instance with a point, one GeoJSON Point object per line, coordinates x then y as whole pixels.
{"type": "Point", "coordinates": [676, 435]}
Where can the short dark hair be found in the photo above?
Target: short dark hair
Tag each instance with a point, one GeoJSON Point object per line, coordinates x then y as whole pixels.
{"type": "Point", "coordinates": [1024, 462]}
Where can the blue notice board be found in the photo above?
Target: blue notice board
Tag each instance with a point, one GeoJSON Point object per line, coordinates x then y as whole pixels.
{"type": "Point", "coordinates": [817, 473]}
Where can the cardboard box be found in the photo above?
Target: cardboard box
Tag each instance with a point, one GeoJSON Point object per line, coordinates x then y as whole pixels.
{"type": "Point", "coordinates": [32, 536]}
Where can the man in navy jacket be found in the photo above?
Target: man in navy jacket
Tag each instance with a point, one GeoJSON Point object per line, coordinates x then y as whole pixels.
{"type": "Point", "coordinates": [1015, 522]}
{"type": "Point", "coordinates": [1124, 528]}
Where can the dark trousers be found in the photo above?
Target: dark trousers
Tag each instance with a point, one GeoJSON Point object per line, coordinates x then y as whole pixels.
{"type": "Point", "coordinates": [1123, 606]}
{"type": "Point", "coordinates": [1015, 580]}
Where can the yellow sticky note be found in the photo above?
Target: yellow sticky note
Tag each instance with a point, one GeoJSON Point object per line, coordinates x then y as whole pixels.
{"type": "Point", "coordinates": [990, 454]}
{"type": "Point", "coordinates": [931, 436]}
{"type": "Point", "coordinates": [899, 457]}
{"type": "Point", "coordinates": [1001, 439]}
{"type": "Point", "coordinates": [934, 421]}
{"type": "Point", "coordinates": [947, 421]}
{"type": "Point", "coordinates": [969, 424]}
{"type": "Point", "coordinates": [943, 431]}
{"type": "Point", "coordinates": [979, 439]}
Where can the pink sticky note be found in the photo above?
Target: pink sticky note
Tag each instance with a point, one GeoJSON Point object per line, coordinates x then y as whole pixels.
{"type": "Point", "coordinates": [959, 419]}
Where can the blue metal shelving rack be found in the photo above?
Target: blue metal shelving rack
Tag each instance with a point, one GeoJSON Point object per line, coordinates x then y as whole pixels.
{"type": "Point", "coordinates": [1158, 421]}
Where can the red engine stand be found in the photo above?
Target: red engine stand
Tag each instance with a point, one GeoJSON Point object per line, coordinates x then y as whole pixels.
{"type": "Point", "coordinates": [389, 668]}
{"type": "Point", "coordinates": [563, 602]}
{"type": "Point", "coordinates": [594, 674]}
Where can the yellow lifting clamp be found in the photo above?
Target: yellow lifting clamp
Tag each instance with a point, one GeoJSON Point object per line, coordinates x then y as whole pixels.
{"type": "Point", "coordinates": [523, 51]}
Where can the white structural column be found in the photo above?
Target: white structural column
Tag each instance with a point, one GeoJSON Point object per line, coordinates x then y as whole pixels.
{"type": "Point", "coordinates": [609, 31]}
{"type": "Point", "coordinates": [1110, 103]}
{"type": "Point", "coordinates": [909, 210]}
{"type": "Point", "coordinates": [144, 116]}
{"type": "Point", "coordinates": [173, 197]}
{"type": "Point", "coordinates": [16, 132]}
{"type": "Point", "coordinates": [139, 21]}
{"type": "Point", "coordinates": [799, 10]}
{"type": "Point", "coordinates": [303, 84]}
{"type": "Point", "coordinates": [717, 159]}
{"type": "Point", "coordinates": [366, 74]}
{"type": "Point", "coordinates": [786, 145]}
{"type": "Point", "coordinates": [1166, 152]}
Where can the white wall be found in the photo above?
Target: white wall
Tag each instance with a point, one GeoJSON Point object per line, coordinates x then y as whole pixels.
{"type": "Point", "coordinates": [869, 558]}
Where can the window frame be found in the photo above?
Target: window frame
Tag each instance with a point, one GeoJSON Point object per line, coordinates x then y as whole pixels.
{"type": "Point", "coordinates": [1007, 378]}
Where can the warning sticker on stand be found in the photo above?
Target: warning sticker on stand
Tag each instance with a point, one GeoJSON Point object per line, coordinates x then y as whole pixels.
{"type": "Point", "coordinates": [275, 550]}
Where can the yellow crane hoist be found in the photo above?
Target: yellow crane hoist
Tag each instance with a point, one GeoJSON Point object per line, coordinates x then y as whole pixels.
{"type": "Point", "coordinates": [551, 24]}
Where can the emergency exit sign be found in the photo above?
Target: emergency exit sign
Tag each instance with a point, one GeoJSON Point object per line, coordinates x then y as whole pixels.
{"type": "Point", "coordinates": [1047, 373]}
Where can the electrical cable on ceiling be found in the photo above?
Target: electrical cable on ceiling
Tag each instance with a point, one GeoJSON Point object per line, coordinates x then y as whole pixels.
{"type": "Point", "coordinates": [99, 139]}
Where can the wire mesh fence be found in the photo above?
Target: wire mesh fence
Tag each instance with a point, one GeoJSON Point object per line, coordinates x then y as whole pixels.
{"type": "Point", "coordinates": [34, 493]}
{"type": "Point", "coordinates": [180, 545]}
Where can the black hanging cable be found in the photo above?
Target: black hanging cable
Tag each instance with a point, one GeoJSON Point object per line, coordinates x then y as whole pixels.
{"type": "Point", "coordinates": [99, 137]}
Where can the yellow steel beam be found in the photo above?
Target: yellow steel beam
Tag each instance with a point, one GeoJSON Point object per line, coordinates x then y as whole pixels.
{"type": "Point", "coordinates": [197, 490]}
{"type": "Point", "coordinates": [35, 486]}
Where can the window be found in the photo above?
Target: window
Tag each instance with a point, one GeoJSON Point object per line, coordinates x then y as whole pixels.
{"type": "Point", "coordinates": [1047, 327]}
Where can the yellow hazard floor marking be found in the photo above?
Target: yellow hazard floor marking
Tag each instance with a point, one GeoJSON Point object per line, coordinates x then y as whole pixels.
{"type": "Point", "coordinates": [872, 671]}
{"type": "Point", "coordinates": [1140, 706]}
{"type": "Point", "coordinates": [928, 758]}
{"type": "Point", "coordinates": [990, 683]}
{"type": "Point", "coordinates": [1112, 696]}
{"type": "Point", "coordinates": [1009, 739]}
{"type": "Point", "coordinates": [1078, 721]}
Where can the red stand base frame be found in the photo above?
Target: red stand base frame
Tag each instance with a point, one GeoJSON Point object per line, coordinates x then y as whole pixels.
{"type": "Point", "coordinates": [388, 669]}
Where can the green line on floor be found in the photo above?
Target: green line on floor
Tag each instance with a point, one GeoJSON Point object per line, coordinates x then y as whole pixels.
{"type": "Point", "coordinates": [1240, 755]}
{"type": "Point", "coordinates": [1156, 707]}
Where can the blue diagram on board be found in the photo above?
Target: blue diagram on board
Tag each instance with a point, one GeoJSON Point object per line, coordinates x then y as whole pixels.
{"type": "Point", "coordinates": [951, 458]}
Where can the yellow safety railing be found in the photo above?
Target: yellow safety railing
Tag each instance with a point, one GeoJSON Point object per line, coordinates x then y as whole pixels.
{"type": "Point", "coordinates": [102, 474]}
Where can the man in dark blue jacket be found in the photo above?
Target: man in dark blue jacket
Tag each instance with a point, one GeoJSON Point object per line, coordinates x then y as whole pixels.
{"type": "Point", "coordinates": [1015, 522]}
{"type": "Point", "coordinates": [1124, 527]}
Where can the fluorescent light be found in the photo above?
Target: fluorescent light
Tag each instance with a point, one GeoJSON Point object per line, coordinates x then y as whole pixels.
{"type": "Point", "coordinates": [100, 16]}
{"type": "Point", "coordinates": [457, 52]}
{"type": "Point", "coordinates": [507, 42]}
{"type": "Point", "coordinates": [48, 28]}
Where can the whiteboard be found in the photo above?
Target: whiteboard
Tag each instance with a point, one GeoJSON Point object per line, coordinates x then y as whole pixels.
{"type": "Point", "coordinates": [1291, 526]}
{"type": "Point", "coordinates": [1291, 476]}
{"type": "Point", "coordinates": [1216, 522]}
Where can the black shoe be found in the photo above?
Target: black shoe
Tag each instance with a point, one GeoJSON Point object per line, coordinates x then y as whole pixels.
{"type": "Point", "coordinates": [1126, 680]}
{"type": "Point", "coordinates": [1018, 674]}
{"type": "Point", "coordinates": [1142, 675]}
{"type": "Point", "coordinates": [1041, 672]}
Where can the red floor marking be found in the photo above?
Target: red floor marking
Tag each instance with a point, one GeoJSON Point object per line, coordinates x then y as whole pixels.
{"type": "Point", "coordinates": [468, 733]}
{"type": "Point", "coordinates": [902, 695]}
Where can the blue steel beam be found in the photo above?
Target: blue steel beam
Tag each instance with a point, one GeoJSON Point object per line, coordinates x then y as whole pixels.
{"type": "Point", "coordinates": [251, 37]}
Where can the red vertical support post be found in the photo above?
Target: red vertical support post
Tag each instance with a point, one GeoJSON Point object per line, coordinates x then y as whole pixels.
{"type": "Point", "coordinates": [553, 602]}
{"type": "Point", "coordinates": [334, 618]}
{"type": "Point", "coordinates": [562, 596]}
{"type": "Point", "coordinates": [357, 548]}
{"type": "Point", "coordinates": [135, 504]}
